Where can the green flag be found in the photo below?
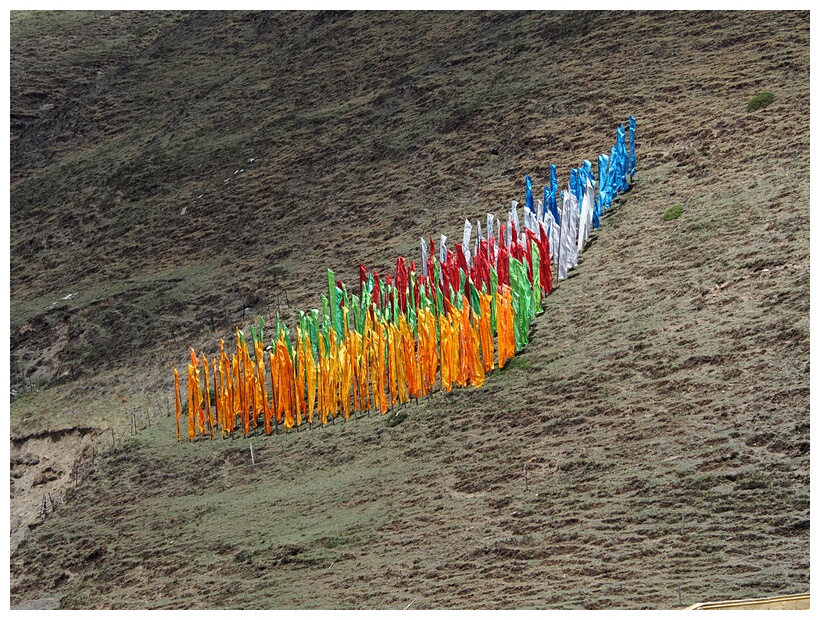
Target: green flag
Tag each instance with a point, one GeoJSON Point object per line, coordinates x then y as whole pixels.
{"type": "Point", "coordinates": [413, 320]}
{"type": "Point", "coordinates": [521, 293]}
{"type": "Point", "coordinates": [347, 306]}
{"type": "Point", "coordinates": [437, 291]}
{"type": "Point", "coordinates": [338, 315]}
{"type": "Point", "coordinates": [475, 302]}
{"type": "Point", "coordinates": [536, 280]}
{"type": "Point", "coordinates": [313, 330]}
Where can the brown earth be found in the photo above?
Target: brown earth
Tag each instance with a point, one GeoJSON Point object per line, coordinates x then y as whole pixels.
{"type": "Point", "coordinates": [661, 409]}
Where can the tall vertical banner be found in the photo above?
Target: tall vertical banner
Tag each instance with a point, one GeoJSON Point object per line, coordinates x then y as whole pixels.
{"type": "Point", "coordinates": [407, 332]}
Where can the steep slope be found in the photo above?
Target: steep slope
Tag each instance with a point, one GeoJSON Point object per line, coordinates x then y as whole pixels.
{"type": "Point", "coordinates": [226, 159]}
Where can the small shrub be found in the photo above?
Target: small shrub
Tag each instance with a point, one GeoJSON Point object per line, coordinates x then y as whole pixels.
{"type": "Point", "coordinates": [395, 418]}
{"type": "Point", "coordinates": [760, 101]}
{"type": "Point", "coordinates": [672, 213]}
{"type": "Point", "coordinates": [751, 481]}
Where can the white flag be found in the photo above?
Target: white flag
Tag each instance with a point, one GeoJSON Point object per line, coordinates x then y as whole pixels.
{"type": "Point", "coordinates": [515, 217]}
{"type": "Point", "coordinates": [423, 258]}
{"type": "Point", "coordinates": [572, 231]}
{"type": "Point", "coordinates": [442, 251]}
{"type": "Point", "coordinates": [585, 223]}
{"type": "Point", "coordinates": [568, 248]}
{"type": "Point", "coordinates": [554, 232]}
{"type": "Point", "coordinates": [465, 242]}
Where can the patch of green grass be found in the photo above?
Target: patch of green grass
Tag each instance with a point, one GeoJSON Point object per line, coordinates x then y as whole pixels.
{"type": "Point", "coordinates": [517, 363]}
{"type": "Point", "coordinates": [396, 417]}
{"type": "Point", "coordinates": [672, 213]}
{"type": "Point", "coordinates": [760, 101]}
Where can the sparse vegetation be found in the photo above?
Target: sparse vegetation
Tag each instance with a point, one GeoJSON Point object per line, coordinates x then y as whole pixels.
{"type": "Point", "coordinates": [672, 213]}
{"type": "Point", "coordinates": [396, 417]}
{"type": "Point", "coordinates": [517, 363]}
{"type": "Point", "coordinates": [621, 407]}
{"type": "Point", "coordinates": [758, 102]}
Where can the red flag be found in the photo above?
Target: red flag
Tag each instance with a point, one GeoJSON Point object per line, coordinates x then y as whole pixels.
{"type": "Point", "coordinates": [546, 267]}
{"type": "Point", "coordinates": [452, 266]}
{"type": "Point", "coordinates": [503, 265]}
{"type": "Point", "coordinates": [417, 286]}
{"type": "Point", "coordinates": [484, 276]}
{"type": "Point", "coordinates": [528, 253]}
{"type": "Point", "coordinates": [362, 279]}
{"type": "Point", "coordinates": [462, 259]}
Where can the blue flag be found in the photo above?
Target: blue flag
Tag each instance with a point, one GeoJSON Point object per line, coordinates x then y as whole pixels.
{"type": "Point", "coordinates": [611, 176]}
{"type": "Point", "coordinates": [603, 162]}
{"type": "Point", "coordinates": [633, 124]}
{"type": "Point", "coordinates": [529, 203]}
{"type": "Point", "coordinates": [623, 163]}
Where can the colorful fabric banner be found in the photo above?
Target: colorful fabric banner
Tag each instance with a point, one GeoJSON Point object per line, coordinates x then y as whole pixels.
{"type": "Point", "coordinates": [407, 332]}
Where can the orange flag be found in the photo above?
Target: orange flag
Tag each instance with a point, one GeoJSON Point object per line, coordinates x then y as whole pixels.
{"type": "Point", "coordinates": [476, 368]}
{"type": "Point", "coordinates": [299, 384]}
{"type": "Point", "coordinates": [506, 335]}
{"type": "Point", "coordinates": [217, 394]}
{"type": "Point", "coordinates": [191, 410]}
{"type": "Point", "coordinates": [446, 353]}
{"type": "Point", "coordinates": [198, 404]}
{"type": "Point", "coordinates": [382, 380]}
{"type": "Point", "coordinates": [486, 332]}
{"type": "Point", "coordinates": [345, 379]}
{"type": "Point", "coordinates": [286, 385]}
{"type": "Point", "coordinates": [310, 370]}
{"type": "Point", "coordinates": [237, 391]}
{"type": "Point", "coordinates": [208, 412]}
{"type": "Point", "coordinates": [408, 352]}
{"type": "Point", "coordinates": [394, 382]}
{"type": "Point", "coordinates": [274, 384]}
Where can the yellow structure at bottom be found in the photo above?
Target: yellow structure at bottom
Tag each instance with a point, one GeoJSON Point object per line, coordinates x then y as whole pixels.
{"type": "Point", "coordinates": [793, 601]}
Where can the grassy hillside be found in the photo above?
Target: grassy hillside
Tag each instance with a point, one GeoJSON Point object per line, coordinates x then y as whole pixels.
{"type": "Point", "coordinates": [179, 173]}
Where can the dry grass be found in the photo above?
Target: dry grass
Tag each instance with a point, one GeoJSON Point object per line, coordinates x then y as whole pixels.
{"type": "Point", "coordinates": [669, 374]}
